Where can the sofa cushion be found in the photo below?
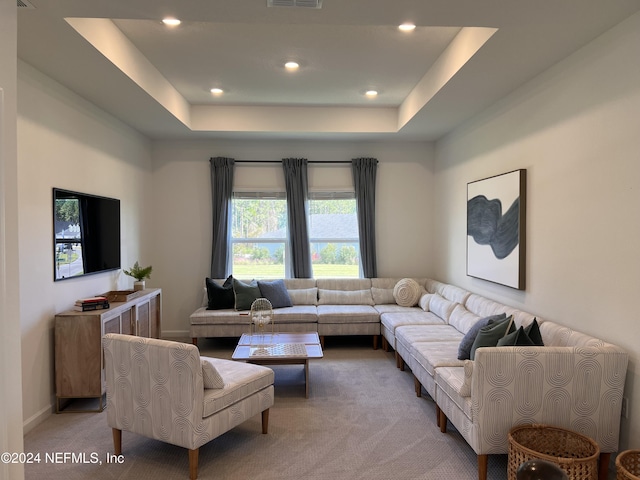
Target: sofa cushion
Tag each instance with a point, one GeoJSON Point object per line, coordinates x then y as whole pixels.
{"type": "Point", "coordinates": [304, 296]}
{"type": "Point", "coordinates": [348, 297]}
{"type": "Point", "coordinates": [489, 335]}
{"type": "Point", "coordinates": [210, 376]}
{"type": "Point", "coordinates": [462, 319]}
{"type": "Point", "coordinates": [441, 307]}
{"type": "Point", "coordinates": [241, 380]}
{"type": "Point", "coordinates": [425, 300]}
{"type": "Point", "coordinates": [245, 293]}
{"type": "Point", "coordinates": [407, 292]}
{"type": "Point", "coordinates": [219, 296]}
{"type": "Point", "coordinates": [393, 320]}
{"type": "Point", "coordinates": [382, 296]}
{"type": "Point", "coordinates": [407, 335]}
{"type": "Point", "coordinates": [202, 316]}
{"type": "Point", "coordinates": [296, 314]}
{"type": "Point", "coordinates": [464, 349]}
{"type": "Point", "coordinates": [451, 381]}
{"type": "Point", "coordinates": [347, 314]}
{"type": "Point", "coordinates": [431, 355]}
{"type": "Point", "coordinates": [275, 292]}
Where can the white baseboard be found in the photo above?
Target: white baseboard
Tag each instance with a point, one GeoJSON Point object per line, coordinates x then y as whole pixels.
{"type": "Point", "coordinates": [36, 419]}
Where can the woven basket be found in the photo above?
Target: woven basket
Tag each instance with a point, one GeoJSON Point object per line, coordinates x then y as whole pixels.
{"type": "Point", "coordinates": [628, 465]}
{"type": "Point", "coordinates": [573, 452]}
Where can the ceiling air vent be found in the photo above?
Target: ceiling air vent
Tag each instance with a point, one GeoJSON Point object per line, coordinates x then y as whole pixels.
{"type": "Point", "coordinates": [294, 3]}
{"type": "Point", "coordinates": [25, 4]}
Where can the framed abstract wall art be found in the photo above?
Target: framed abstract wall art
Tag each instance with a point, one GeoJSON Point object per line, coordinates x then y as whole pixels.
{"type": "Point", "coordinates": [496, 228]}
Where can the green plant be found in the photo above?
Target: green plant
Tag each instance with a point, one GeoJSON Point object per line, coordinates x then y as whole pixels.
{"type": "Point", "coordinates": [138, 272]}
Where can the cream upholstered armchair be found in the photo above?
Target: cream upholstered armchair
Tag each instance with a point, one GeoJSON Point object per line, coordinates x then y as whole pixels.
{"type": "Point", "coordinates": [164, 390]}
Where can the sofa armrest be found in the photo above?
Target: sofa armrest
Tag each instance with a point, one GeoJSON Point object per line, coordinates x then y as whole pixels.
{"type": "Point", "coordinates": [579, 388]}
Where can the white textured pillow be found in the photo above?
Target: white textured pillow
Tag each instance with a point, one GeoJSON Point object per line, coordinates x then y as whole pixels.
{"type": "Point", "coordinates": [407, 292]}
{"type": "Point", "coordinates": [210, 376]}
{"type": "Point", "coordinates": [344, 297]}
{"type": "Point", "coordinates": [304, 296]}
{"type": "Point", "coordinates": [465, 390]}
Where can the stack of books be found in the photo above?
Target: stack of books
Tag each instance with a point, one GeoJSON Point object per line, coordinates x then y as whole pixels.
{"type": "Point", "coordinates": [91, 303]}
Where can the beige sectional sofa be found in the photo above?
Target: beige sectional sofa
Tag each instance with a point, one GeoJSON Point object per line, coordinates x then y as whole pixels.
{"type": "Point", "coordinates": [574, 381]}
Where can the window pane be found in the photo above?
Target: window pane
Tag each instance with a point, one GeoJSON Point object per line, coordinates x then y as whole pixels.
{"type": "Point", "coordinates": [258, 260]}
{"type": "Point", "coordinates": [259, 231]}
{"type": "Point", "coordinates": [335, 247]}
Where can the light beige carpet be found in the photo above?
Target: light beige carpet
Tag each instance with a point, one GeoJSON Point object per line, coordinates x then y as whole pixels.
{"type": "Point", "coordinates": [362, 421]}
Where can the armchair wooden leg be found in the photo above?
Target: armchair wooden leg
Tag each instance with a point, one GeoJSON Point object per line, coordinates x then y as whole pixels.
{"type": "Point", "coordinates": [603, 467]}
{"type": "Point", "coordinates": [483, 461]}
{"type": "Point", "coordinates": [193, 463]}
{"type": "Point", "coordinates": [117, 441]}
{"type": "Point", "coordinates": [265, 421]}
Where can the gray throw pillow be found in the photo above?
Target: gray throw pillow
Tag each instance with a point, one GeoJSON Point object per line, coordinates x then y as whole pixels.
{"type": "Point", "coordinates": [464, 349]}
{"type": "Point", "coordinates": [245, 293]}
{"type": "Point", "coordinates": [488, 336]}
{"type": "Point", "coordinates": [276, 292]}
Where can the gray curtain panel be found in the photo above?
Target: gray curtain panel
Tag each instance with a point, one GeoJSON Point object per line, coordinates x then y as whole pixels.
{"type": "Point", "coordinates": [364, 181]}
{"type": "Point", "coordinates": [221, 195]}
{"type": "Point", "coordinates": [295, 176]}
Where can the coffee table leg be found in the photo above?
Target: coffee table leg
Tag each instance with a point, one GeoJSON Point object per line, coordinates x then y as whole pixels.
{"type": "Point", "coordinates": [306, 378]}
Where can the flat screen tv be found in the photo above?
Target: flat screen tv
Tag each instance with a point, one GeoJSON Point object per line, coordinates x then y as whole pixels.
{"type": "Point", "coordinates": [86, 234]}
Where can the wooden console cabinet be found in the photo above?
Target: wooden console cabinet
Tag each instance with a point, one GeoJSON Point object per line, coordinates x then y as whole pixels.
{"type": "Point", "coordinates": [79, 360]}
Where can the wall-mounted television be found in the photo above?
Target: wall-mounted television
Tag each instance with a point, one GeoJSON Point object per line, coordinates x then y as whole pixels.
{"type": "Point", "coordinates": [86, 234]}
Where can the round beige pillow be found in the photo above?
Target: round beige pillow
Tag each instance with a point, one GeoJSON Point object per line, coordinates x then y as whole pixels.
{"type": "Point", "coordinates": [407, 292]}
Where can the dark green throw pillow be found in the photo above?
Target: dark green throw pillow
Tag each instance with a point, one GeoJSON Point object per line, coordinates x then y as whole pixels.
{"type": "Point", "coordinates": [517, 338]}
{"type": "Point", "coordinates": [488, 336]}
{"type": "Point", "coordinates": [245, 293]}
{"type": "Point", "coordinates": [220, 297]}
{"type": "Point", "coordinates": [464, 349]}
{"type": "Point", "coordinates": [533, 332]}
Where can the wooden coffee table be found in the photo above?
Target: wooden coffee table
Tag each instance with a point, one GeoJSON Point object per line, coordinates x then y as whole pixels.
{"type": "Point", "coordinates": [280, 349]}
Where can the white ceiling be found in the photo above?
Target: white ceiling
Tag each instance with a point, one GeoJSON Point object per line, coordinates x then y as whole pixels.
{"type": "Point", "coordinates": [463, 56]}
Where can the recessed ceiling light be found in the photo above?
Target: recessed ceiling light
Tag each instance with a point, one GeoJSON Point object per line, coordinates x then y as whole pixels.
{"type": "Point", "coordinates": [407, 27]}
{"type": "Point", "coordinates": [171, 22]}
{"type": "Point", "coordinates": [371, 93]}
{"type": "Point", "coordinates": [217, 91]}
{"type": "Point", "coordinates": [291, 65]}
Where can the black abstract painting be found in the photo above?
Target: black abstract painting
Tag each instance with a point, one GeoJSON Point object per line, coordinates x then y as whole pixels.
{"type": "Point", "coordinates": [495, 228]}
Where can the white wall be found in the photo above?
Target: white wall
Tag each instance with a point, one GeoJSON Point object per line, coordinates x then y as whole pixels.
{"type": "Point", "coordinates": [11, 430]}
{"type": "Point", "coordinates": [182, 207]}
{"type": "Point", "coordinates": [576, 131]}
{"type": "Point", "coordinates": [63, 141]}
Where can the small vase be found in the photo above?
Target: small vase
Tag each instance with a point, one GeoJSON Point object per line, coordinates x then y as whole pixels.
{"type": "Point", "coordinates": [139, 285]}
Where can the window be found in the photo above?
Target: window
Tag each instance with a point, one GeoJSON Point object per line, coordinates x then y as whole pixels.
{"type": "Point", "coordinates": [258, 234]}
{"type": "Point", "coordinates": [333, 234]}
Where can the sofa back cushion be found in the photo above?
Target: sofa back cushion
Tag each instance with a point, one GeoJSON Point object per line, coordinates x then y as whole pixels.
{"type": "Point", "coordinates": [304, 296]}
{"type": "Point", "coordinates": [441, 307]}
{"type": "Point", "coordinates": [462, 319]}
{"type": "Point", "coordinates": [382, 296]}
{"type": "Point", "coordinates": [343, 284]}
{"type": "Point", "coordinates": [348, 297]}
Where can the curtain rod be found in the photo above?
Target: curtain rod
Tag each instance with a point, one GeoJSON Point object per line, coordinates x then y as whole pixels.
{"type": "Point", "coordinates": [280, 161]}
